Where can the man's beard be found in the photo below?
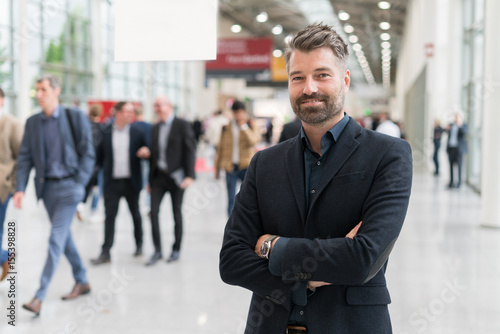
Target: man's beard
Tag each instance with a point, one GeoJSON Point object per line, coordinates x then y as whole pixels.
{"type": "Point", "coordinates": [333, 106]}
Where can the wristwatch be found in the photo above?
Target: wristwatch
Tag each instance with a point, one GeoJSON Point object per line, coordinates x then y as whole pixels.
{"type": "Point", "coordinates": [265, 248]}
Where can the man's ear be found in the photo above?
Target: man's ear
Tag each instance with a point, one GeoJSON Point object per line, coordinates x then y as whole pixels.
{"type": "Point", "coordinates": [347, 80]}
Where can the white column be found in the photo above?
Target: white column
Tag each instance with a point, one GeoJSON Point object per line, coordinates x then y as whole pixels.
{"type": "Point", "coordinates": [490, 172]}
{"type": "Point", "coordinates": [148, 82]}
{"type": "Point", "coordinates": [97, 68]}
{"type": "Point", "coordinates": [22, 42]}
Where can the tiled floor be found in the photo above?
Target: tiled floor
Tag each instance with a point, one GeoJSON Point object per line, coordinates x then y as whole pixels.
{"type": "Point", "coordinates": [443, 274]}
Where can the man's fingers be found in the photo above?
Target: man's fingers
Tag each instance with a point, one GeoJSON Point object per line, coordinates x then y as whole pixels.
{"type": "Point", "coordinates": [354, 231]}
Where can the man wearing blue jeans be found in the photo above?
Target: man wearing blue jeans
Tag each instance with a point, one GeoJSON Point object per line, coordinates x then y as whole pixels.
{"type": "Point", "coordinates": [58, 143]}
{"type": "Point", "coordinates": [235, 150]}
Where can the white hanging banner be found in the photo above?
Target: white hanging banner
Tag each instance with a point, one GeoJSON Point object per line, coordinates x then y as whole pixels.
{"type": "Point", "coordinates": [159, 30]}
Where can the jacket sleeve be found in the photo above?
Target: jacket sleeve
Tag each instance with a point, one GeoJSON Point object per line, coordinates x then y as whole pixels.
{"type": "Point", "coordinates": [346, 261]}
{"type": "Point", "coordinates": [24, 159]}
{"type": "Point", "coordinates": [85, 147]}
{"type": "Point", "coordinates": [189, 148]}
{"type": "Point", "coordinates": [239, 265]}
{"type": "Point", "coordinates": [15, 145]}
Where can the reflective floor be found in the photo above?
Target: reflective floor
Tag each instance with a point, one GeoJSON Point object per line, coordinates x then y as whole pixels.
{"type": "Point", "coordinates": [443, 274]}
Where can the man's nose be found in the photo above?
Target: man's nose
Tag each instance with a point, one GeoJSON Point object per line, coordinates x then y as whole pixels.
{"type": "Point", "coordinates": [310, 86]}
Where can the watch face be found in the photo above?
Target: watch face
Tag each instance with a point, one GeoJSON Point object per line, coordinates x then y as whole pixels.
{"type": "Point", "coordinates": [264, 249]}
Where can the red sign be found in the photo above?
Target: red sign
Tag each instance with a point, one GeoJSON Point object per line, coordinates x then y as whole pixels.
{"type": "Point", "coordinates": [242, 54]}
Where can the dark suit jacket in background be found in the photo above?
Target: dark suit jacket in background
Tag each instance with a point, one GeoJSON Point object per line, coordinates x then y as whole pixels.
{"type": "Point", "coordinates": [367, 178]}
{"type": "Point", "coordinates": [290, 130]}
{"type": "Point", "coordinates": [32, 151]}
{"type": "Point", "coordinates": [106, 161]}
{"type": "Point", "coordinates": [462, 139]}
{"type": "Point", "coordinates": [181, 149]}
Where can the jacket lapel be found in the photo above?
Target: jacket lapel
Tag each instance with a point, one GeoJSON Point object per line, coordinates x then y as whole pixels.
{"type": "Point", "coordinates": [295, 167]}
{"type": "Point", "coordinates": [341, 151]}
{"type": "Point", "coordinates": [38, 134]}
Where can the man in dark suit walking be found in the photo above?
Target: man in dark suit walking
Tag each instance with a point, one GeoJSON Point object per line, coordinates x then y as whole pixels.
{"type": "Point", "coordinates": [173, 150]}
{"type": "Point", "coordinates": [318, 215]}
{"type": "Point", "coordinates": [456, 148]}
{"type": "Point", "coordinates": [118, 154]}
{"type": "Point", "coordinates": [57, 142]}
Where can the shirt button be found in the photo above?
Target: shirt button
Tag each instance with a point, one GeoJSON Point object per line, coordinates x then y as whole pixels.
{"type": "Point", "coordinates": [313, 191]}
{"type": "Point", "coordinates": [301, 312]}
{"type": "Point", "coordinates": [318, 163]}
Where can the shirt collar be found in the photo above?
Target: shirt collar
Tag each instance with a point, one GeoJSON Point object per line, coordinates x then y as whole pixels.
{"type": "Point", "coordinates": [55, 114]}
{"type": "Point", "coordinates": [334, 132]}
{"type": "Point", "coordinates": [169, 120]}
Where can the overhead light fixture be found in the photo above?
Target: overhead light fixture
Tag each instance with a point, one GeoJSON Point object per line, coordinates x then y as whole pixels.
{"type": "Point", "coordinates": [386, 57]}
{"type": "Point", "coordinates": [386, 51]}
{"type": "Point", "coordinates": [385, 25]}
{"type": "Point", "coordinates": [349, 29]}
{"type": "Point", "coordinates": [277, 29]}
{"type": "Point", "coordinates": [353, 39]}
{"type": "Point", "coordinates": [385, 36]}
{"type": "Point", "coordinates": [262, 17]}
{"type": "Point", "coordinates": [288, 38]}
{"type": "Point", "coordinates": [359, 53]}
{"type": "Point", "coordinates": [357, 47]}
{"type": "Point", "coordinates": [386, 45]}
{"type": "Point", "coordinates": [343, 16]}
{"type": "Point", "coordinates": [277, 53]}
{"type": "Point", "coordinates": [236, 28]}
{"type": "Point", "coordinates": [384, 5]}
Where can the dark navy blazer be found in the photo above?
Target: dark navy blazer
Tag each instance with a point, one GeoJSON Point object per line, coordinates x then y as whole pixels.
{"type": "Point", "coordinates": [32, 151]}
{"type": "Point", "coordinates": [367, 178]}
{"type": "Point", "coordinates": [106, 161]}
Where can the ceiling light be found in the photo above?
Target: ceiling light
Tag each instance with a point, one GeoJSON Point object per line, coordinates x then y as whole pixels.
{"type": "Point", "coordinates": [386, 57]}
{"type": "Point", "coordinates": [357, 47]}
{"type": "Point", "coordinates": [236, 28]}
{"type": "Point", "coordinates": [262, 17]}
{"type": "Point", "coordinates": [385, 36]}
{"type": "Point", "coordinates": [362, 59]}
{"type": "Point", "coordinates": [385, 25]}
{"type": "Point", "coordinates": [343, 16]}
{"type": "Point", "coordinates": [348, 28]}
{"type": "Point", "coordinates": [386, 45]}
{"type": "Point", "coordinates": [288, 38]}
{"type": "Point", "coordinates": [353, 39]}
{"type": "Point", "coordinates": [384, 5]}
{"type": "Point", "coordinates": [360, 53]}
{"type": "Point", "coordinates": [277, 53]}
{"type": "Point", "coordinates": [386, 51]}
{"type": "Point", "coordinates": [277, 29]}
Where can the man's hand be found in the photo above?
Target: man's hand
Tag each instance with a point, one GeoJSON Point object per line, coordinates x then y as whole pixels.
{"type": "Point", "coordinates": [18, 199]}
{"type": "Point", "coordinates": [143, 153]}
{"type": "Point", "coordinates": [186, 182]}
{"type": "Point", "coordinates": [354, 231]}
{"type": "Point", "coordinates": [261, 240]}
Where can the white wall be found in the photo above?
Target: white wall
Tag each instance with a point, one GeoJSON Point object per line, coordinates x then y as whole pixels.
{"type": "Point", "coordinates": [439, 23]}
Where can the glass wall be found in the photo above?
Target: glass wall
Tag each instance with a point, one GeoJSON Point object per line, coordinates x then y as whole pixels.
{"type": "Point", "coordinates": [7, 54]}
{"type": "Point", "coordinates": [59, 39]}
{"type": "Point", "coordinates": [474, 84]}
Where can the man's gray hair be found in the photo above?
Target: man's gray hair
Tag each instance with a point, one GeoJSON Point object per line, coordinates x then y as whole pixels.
{"type": "Point", "coordinates": [54, 81]}
{"type": "Point", "coordinates": [318, 36]}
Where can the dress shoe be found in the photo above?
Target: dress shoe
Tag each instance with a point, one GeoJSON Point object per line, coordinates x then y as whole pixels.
{"type": "Point", "coordinates": [33, 306]}
{"type": "Point", "coordinates": [101, 259]}
{"type": "Point", "coordinates": [138, 252]}
{"type": "Point", "coordinates": [78, 289]}
{"type": "Point", "coordinates": [156, 256]}
{"type": "Point", "coordinates": [173, 257]}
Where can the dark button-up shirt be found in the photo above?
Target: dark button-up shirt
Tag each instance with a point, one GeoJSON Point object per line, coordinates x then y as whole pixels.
{"type": "Point", "coordinates": [314, 165]}
{"type": "Point", "coordinates": [53, 144]}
